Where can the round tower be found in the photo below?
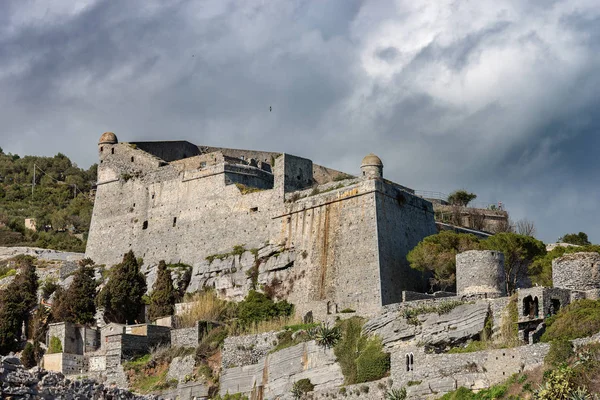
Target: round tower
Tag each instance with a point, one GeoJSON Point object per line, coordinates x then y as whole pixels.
{"type": "Point", "coordinates": [371, 166]}
{"type": "Point", "coordinates": [577, 271]}
{"type": "Point", "coordinates": [106, 144]}
{"type": "Point", "coordinates": [480, 272]}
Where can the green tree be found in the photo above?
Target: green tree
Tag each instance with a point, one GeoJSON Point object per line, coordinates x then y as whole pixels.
{"type": "Point", "coordinates": [28, 356]}
{"type": "Point", "coordinates": [519, 253]}
{"type": "Point", "coordinates": [121, 298]}
{"type": "Point", "coordinates": [162, 298]}
{"type": "Point", "coordinates": [436, 255]}
{"type": "Point", "coordinates": [16, 302]}
{"type": "Point", "coordinates": [461, 198]}
{"type": "Point", "coordinates": [77, 303]}
{"type": "Point", "coordinates": [580, 239]}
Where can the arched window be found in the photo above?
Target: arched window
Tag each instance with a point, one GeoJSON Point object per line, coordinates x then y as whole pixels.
{"type": "Point", "coordinates": [536, 308]}
{"type": "Point", "coordinates": [527, 309]}
{"type": "Point", "coordinates": [112, 150]}
{"type": "Point", "coordinates": [407, 362]}
{"type": "Point", "coordinates": [412, 362]}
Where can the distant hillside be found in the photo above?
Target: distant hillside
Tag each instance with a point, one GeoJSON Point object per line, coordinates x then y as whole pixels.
{"type": "Point", "coordinates": [60, 202]}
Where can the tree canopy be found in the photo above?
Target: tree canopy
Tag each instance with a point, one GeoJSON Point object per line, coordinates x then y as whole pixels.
{"type": "Point", "coordinates": [436, 255]}
{"type": "Point", "coordinates": [580, 239]}
{"type": "Point", "coordinates": [519, 253]}
{"type": "Point", "coordinates": [121, 298]}
{"type": "Point", "coordinates": [461, 198]}
{"type": "Point", "coordinates": [60, 199]}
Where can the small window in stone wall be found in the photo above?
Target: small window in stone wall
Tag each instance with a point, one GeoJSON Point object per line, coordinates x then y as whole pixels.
{"type": "Point", "coordinates": [254, 209]}
{"type": "Point", "coordinates": [132, 159]}
{"type": "Point", "coordinates": [145, 225]}
{"type": "Point", "coordinates": [101, 149]}
{"type": "Point", "coordinates": [112, 151]}
{"type": "Point", "coordinates": [174, 221]}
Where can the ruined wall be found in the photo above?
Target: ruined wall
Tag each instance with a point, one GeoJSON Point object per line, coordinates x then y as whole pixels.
{"type": "Point", "coordinates": [441, 373]}
{"type": "Point", "coordinates": [480, 271]}
{"type": "Point", "coordinates": [65, 363]}
{"type": "Point", "coordinates": [577, 271]}
{"type": "Point", "coordinates": [247, 349]}
{"type": "Point", "coordinates": [403, 220]}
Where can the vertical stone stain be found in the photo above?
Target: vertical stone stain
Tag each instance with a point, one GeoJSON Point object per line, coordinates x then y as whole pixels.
{"type": "Point", "coordinates": [324, 254]}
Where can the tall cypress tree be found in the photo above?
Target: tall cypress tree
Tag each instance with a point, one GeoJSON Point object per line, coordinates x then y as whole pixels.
{"type": "Point", "coordinates": [77, 304]}
{"type": "Point", "coordinates": [162, 298]}
{"type": "Point", "coordinates": [122, 295]}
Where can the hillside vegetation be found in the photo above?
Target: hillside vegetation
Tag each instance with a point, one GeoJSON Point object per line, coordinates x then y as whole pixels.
{"type": "Point", "coordinates": [60, 201]}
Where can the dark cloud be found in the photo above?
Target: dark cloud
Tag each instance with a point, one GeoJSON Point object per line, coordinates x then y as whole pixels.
{"type": "Point", "coordinates": [500, 100]}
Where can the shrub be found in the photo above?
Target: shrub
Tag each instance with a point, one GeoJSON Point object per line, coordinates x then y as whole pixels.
{"type": "Point", "coordinates": [28, 356]}
{"type": "Point", "coordinates": [579, 319]}
{"type": "Point", "coordinates": [345, 350]}
{"type": "Point", "coordinates": [48, 288]}
{"type": "Point", "coordinates": [258, 307]}
{"type": "Point", "coordinates": [372, 363]}
{"type": "Point", "coordinates": [55, 345]}
{"type": "Point", "coordinates": [461, 198]}
{"type": "Point", "coordinates": [302, 387]}
{"type": "Point", "coordinates": [560, 351]}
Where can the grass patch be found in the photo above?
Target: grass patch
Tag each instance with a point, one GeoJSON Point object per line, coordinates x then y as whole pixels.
{"type": "Point", "coordinates": [238, 250]}
{"type": "Point", "coordinates": [204, 306]}
{"type": "Point", "coordinates": [411, 314]}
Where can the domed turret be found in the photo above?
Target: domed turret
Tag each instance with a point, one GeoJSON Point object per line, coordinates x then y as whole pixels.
{"type": "Point", "coordinates": [371, 166]}
{"type": "Point", "coordinates": [108, 138]}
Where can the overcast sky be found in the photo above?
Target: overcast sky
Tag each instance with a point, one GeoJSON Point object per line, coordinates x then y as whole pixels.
{"type": "Point", "coordinates": [498, 97]}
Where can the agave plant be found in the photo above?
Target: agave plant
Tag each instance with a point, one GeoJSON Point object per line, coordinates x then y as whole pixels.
{"type": "Point", "coordinates": [328, 337]}
{"type": "Point", "coordinates": [396, 394]}
{"type": "Point", "coordinates": [581, 393]}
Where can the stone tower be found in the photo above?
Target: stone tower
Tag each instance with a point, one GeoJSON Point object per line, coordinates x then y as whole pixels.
{"type": "Point", "coordinates": [480, 272]}
{"type": "Point", "coordinates": [371, 166]}
{"type": "Point", "coordinates": [106, 144]}
{"type": "Point", "coordinates": [577, 271]}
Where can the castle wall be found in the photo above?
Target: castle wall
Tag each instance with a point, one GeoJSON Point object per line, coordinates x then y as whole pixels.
{"type": "Point", "coordinates": [335, 236]}
{"type": "Point", "coordinates": [403, 220]}
{"type": "Point", "coordinates": [179, 218]}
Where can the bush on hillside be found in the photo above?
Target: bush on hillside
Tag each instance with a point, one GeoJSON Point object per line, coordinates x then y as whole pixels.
{"type": "Point", "coordinates": [372, 363]}
{"type": "Point", "coordinates": [559, 353]}
{"type": "Point", "coordinates": [579, 319]}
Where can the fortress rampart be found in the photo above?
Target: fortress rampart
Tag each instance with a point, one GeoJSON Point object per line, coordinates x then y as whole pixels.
{"type": "Point", "coordinates": [350, 236]}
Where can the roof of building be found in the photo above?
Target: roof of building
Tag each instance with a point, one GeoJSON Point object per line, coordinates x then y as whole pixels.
{"type": "Point", "coordinates": [370, 160]}
{"type": "Point", "coordinates": [108, 138]}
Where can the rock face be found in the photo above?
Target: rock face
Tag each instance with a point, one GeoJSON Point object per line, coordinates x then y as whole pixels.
{"type": "Point", "coordinates": [19, 383]}
{"type": "Point", "coordinates": [459, 325]}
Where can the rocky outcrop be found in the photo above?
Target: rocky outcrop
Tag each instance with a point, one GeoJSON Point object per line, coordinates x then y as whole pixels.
{"type": "Point", "coordinates": [36, 383]}
{"type": "Point", "coordinates": [463, 323]}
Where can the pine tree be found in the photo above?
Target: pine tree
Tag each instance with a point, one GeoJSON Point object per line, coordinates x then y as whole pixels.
{"type": "Point", "coordinates": [162, 299]}
{"type": "Point", "coordinates": [121, 298]}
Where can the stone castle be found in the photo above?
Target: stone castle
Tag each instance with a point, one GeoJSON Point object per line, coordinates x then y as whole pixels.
{"type": "Point", "coordinates": [327, 239]}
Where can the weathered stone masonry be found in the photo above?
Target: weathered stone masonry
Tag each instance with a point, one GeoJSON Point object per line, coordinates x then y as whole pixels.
{"type": "Point", "coordinates": [346, 238]}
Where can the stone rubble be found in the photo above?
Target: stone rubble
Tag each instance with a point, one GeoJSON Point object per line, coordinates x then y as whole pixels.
{"type": "Point", "coordinates": [17, 383]}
